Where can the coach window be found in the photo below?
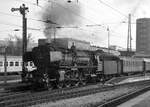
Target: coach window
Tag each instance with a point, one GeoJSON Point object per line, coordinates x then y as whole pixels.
{"type": "Point", "coordinates": [11, 63]}
{"type": "Point", "coordinates": [1, 63]}
{"type": "Point", "coordinates": [16, 63]}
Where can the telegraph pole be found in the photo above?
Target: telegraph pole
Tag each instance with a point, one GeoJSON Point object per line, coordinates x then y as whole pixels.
{"type": "Point", "coordinates": [5, 63]}
{"type": "Point", "coordinates": [23, 10]}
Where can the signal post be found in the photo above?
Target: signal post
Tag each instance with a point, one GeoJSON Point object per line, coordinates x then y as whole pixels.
{"type": "Point", "coordinates": [23, 10]}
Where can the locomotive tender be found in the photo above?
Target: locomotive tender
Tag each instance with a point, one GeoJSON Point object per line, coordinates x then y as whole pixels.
{"type": "Point", "coordinates": [59, 66]}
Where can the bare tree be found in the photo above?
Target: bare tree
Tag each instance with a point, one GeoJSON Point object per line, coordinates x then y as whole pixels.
{"type": "Point", "coordinates": [14, 44]}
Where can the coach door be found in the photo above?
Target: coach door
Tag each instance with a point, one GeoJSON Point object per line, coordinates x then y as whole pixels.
{"type": "Point", "coordinates": [99, 65]}
{"type": "Point", "coordinates": [119, 67]}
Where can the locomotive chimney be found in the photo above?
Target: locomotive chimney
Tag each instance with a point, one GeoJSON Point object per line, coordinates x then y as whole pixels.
{"type": "Point", "coordinates": [42, 42]}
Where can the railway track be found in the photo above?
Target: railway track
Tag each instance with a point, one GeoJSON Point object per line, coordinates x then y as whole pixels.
{"type": "Point", "coordinates": [29, 98]}
{"type": "Point", "coordinates": [13, 91]}
{"type": "Point", "coordinates": [123, 98]}
{"type": "Point", "coordinates": [7, 97]}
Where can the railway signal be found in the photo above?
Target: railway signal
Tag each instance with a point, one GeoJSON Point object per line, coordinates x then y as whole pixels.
{"type": "Point", "coordinates": [23, 10]}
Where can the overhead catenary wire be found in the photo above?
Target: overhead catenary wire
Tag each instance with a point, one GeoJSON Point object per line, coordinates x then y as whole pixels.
{"type": "Point", "coordinates": [39, 20]}
{"type": "Point", "coordinates": [35, 4]}
{"type": "Point", "coordinates": [66, 9]}
{"type": "Point", "coordinates": [41, 30]}
{"type": "Point", "coordinates": [116, 10]}
{"type": "Point", "coordinates": [91, 9]}
{"type": "Point", "coordinates": [104, 2]}
{"type": "Point", "coordinates": [58, 27]}
{"type": "Point", "coordinates": [9, 24]}
{"type": "Point", "coordinates": [75, 13]}
{"type": "Point", "coordinates": [78, 1]}
{"type": "Point", "coordinates": [62, 7]}
{"type": "Point", "coordinates": [94, 24]}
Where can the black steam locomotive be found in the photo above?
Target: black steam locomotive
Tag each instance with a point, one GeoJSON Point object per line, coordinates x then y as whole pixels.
{"type": "Point", "coordinates": [57, 66]}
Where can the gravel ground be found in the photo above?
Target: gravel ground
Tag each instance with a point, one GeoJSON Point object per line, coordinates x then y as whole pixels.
{"type": "Point", "coordinates": [10, 77]}
{"type": "Point", "coordinates": [87, 101]}
{"type": "Point", "coordinates": [145, 102]}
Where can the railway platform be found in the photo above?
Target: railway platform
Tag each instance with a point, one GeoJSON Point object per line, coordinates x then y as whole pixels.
{"type": "Point", "coordinates": [127, 79]}
{"type": "Point", "coordinates": [140, 101]}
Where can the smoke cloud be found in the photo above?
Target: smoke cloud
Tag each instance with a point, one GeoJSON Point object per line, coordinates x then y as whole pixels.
{"type": "Point", "coordinates": [60, 13]}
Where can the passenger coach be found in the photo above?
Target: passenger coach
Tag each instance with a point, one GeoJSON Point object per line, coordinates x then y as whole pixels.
{"type": "Point", "coordinates": [14, 65]}
{"type": "Point", "coordinates": [125, 66]}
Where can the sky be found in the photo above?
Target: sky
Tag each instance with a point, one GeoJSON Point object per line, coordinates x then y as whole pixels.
{"type": "Point", "coordinates": [86, 20]}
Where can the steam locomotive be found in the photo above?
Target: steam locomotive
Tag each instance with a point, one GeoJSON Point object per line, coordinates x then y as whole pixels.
{"type": "Point", "coordinates": [59, 67]}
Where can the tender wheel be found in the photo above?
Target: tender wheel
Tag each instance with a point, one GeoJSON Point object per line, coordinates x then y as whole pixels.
{"type": "Point", "coordinates": [60, 85]}
{"type": "Point", "coordinates": [77, 84]}
{"type": "Point", "coordinates": [83, 82]}
{"type": "Point", "coordinates": [82, 79]}
{"type": "Point", "coordinates": [67, 84]}
{"type": "Point", "coordinates": [67, 81]}
{"type": "Point", "coordinates": [46, 81]}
